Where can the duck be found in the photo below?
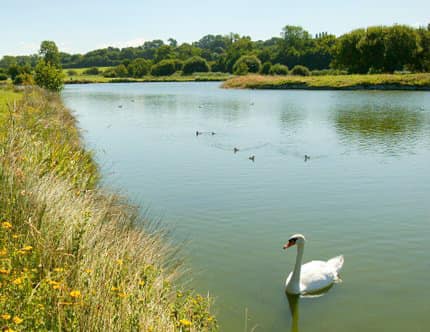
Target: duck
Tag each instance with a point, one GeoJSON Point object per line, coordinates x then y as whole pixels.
{"type": "Point", "coordinates": [235, 150]}
{"type": "Point", "coordinates": [307, 157]}
{"type": "Point", "coordinates": [251, 158]}
{"type": "Point", "coordinates": [314, 276]}
{"type": "Point", "coordinates": [198, 133]}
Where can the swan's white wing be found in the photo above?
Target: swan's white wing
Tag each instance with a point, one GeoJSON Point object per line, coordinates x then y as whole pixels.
{"type": "Point", "coordinates": [316, 275]}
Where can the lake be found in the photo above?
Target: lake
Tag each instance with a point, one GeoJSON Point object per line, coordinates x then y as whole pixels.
{"type": "Point", "coordinates": [364, 193]}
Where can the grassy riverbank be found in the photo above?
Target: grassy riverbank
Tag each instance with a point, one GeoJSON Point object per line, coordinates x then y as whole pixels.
{"type": "Point", "coordinates": [80, 77]}
{"type": "Point", "coordinates": [337, 82]}
{"type": "Point", "coordinates": [73, 257]}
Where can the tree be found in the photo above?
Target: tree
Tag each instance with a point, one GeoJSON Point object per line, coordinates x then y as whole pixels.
{"type": "Point", "coordinates": [252, 63]}
{"type": "Point", "coordinates": [139, 67]}
{"type": "Point", "coordinates": [48, 76]}
{"type": "Point", "coordinates": [195, 64]}
{"type": "Point", "coordinates": [163, 68]}
{"type": "Point", "coordinates": [48, 72]}
{"type": "Point", "coordinates": [50, 54]}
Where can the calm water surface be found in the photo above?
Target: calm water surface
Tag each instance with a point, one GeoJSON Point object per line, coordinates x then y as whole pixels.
{"type": "Point", "coordinates": [365, 193]}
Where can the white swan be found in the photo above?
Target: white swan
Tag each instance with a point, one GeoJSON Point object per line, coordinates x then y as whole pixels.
{"type": "Point", "coordinates": [313, 276]}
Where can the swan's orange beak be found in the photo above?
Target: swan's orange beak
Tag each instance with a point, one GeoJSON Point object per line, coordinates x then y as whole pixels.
{"type": "Point", "coordinates": [287, 245]}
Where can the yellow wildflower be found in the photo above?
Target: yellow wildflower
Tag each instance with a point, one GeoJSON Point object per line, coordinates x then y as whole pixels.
{"type": "Point", "coordinates": [8, 329]}
{"type": "Point", "coordinates": [6, 225]}
{"type": "Point", "coordinates": [142, 283]}
{"type": "Point", "coordinates": [17, 320]}
{"type": "Point", "coordinates": [17, 281]}
{"type": "Point", "coordinates": [3, 271]}
{"type": "Point", "coordinates": [75, 294]}
{"type": "Point", "coordinates": [15, 236]}
{"type": "Point", "coordinates": [122, 295]}
{"type": "Point", "coordinates": [5, 316]}
{"type": "Point", "coordinates": [27, 248]}
{"type": "Point", "coordinates": [114, 289]}
{"type": "Point", "coordinates": [185, 322]}
{"type": "Point", "coordinates": [89, 271]}
{"type": "Point", "coordinates": [119, 262]}
{"type": "Point", "coordinates": [3, 252]}
{"type": "Point", "coordinates": [58, 269]}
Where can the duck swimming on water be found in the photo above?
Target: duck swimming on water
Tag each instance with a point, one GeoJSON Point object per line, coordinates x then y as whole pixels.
{"type": "Point", "coordinates": [252, 158]}
{"type": "Point", "coordinates": [235, 150]}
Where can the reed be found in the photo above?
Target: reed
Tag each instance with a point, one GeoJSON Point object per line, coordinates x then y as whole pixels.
{"type": "Point", "coordinates": [72, 256]}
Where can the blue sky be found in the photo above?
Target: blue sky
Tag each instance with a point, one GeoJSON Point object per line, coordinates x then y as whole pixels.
{"type": "Point", "coordinates": [83, 25]}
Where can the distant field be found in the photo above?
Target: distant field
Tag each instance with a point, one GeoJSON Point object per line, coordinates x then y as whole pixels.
{"type": "Point", "coordinates": [83, 78]}
{"type": "Point", "coordinates": [338, 82]}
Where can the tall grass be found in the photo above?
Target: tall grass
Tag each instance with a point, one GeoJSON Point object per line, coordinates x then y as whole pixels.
{"type": "Point", "coordinates": [73, 257]}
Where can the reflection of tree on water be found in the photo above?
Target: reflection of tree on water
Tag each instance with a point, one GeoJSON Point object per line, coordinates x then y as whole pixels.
{"type": "Point", "coordinates": [380, 128]}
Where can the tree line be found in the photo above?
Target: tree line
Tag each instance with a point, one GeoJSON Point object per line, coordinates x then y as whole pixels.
{"type": "Point", "coordinates": [375, 49]}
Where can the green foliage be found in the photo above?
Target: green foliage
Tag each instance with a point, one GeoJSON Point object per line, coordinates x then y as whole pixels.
{"type": "Point", "coordinates": [163, 68]}
{"type": "Point", "coordinates": [49, 52]}
{"type": "Point", "coordinates": [3, 77]}
{"type": "Point", "coordinates": [91, 71]}
{"type": "Point", "coordinates": [381, 49]}
{"type": "Point", "coordinates": [49, 76]}
{"type": "Point", "coordinates": [251, 62]}
{"type": "Point", "coordinates": [299, 70]}
{"type": "Point", "coordinates": [195, 64]}
{"type": "Point", "coordinates": [265, 68]}
{"type": "Point", "coordinates": [121, 71]}
{"type": "Point", "coordinates": [139, 67]}
{"type": "Point", "coordinates": [278, 69]}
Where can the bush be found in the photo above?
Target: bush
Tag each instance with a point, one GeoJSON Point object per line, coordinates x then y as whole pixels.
{"type": "Point", "coordinates": [139, 67]}
{"type": "Point", "coordinates": [72, 72]}
{"type": "Point", "coordinates": [163, 68]}
{"type": "Point", "coordinates": [109, 73]}
{"type": "Point", "coordinates": [121, 71]}
{"type": "Point", "coordinates": [252, 63]}
{"type": "Point", "coordinates": [91, 71]}
{"type": "Point", "coordinates": [179, 64]}
{"type": "Point", "coordinates": [195, 64]}
{"type": "Point", "coordinates": [49, 76]}
{"type": "Point", "coordinates": [23, 79]}
{"type": "Point", "coordinates": [278, 69]}
{"type": "Point", "coordinates": [299, 70]}
{"type": "Point", "coordinates": [265, 69]}
{"type": "Point", "coordinates": [3, 77]}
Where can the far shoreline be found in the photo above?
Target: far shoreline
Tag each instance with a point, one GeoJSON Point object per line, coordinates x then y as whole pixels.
{"type": "Point", "coordinates": [384, 82]}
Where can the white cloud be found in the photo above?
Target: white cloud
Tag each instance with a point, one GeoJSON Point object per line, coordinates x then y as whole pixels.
{"type": "Point", "coordinates": [121, 44]}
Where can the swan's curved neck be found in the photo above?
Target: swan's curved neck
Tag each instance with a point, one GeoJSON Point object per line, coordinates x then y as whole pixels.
{"type": "Point", "coordinates": [294, 284]}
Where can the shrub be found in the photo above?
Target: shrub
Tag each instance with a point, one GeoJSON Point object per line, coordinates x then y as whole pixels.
{"type": "Point", "coordinates": [23, 78]}
{"type": "Point", "coordinates": [265, 69]}
{"type": "Point", "coordinates": [48, 76]}
{"type": "Point", "coordinates": [252, 63]}
{"type": "Point", "coordinates": [139, 67]}
{"type": "Point", "coordinates": [195, 64]}
{"type": "Point", "coordinates": [163, 68]}
{"type": "Point", "coordinates": [179, 64]}
{"type": "Point", "coordinates": [3, 77]}
{"type": "Point", "coordinates": [323, 72]}
{"type": "Point", "coordinates": [91, 71]}
{"type": "Point", "coordinates": [121, 71]}
{"type": "Point", "coordinates": [72, 72]}
{"type": "Point", "coordinates": [299, 70]}
{"type": "Point", "coordinates": [278, 69]}
{"type": "Point", "coordinates": [109, 73]}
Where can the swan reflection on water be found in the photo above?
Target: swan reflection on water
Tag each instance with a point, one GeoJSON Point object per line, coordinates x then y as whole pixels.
{"type": "Point", "coordinates": [294, 303]}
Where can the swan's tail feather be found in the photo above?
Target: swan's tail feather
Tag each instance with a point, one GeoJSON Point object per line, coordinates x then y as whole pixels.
{"type": "Point", "coordinates": [336, 263]}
